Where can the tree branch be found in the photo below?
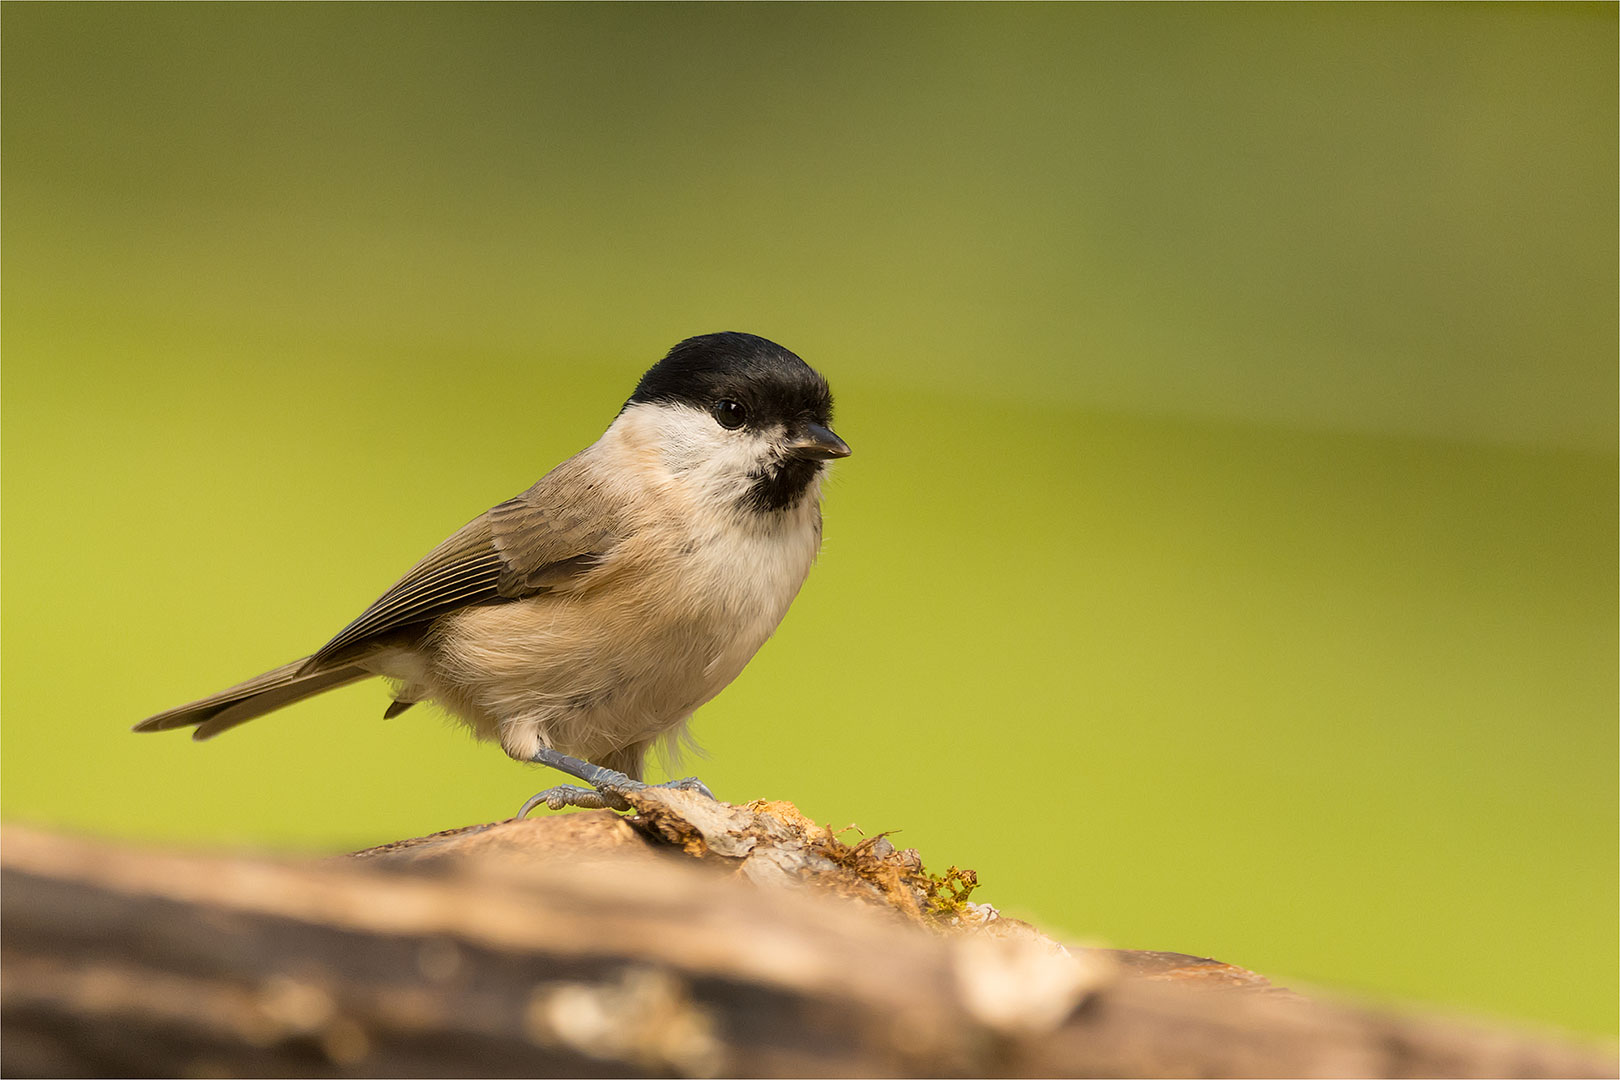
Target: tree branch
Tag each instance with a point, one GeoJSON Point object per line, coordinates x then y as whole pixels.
{"type": "Point", "coordinates": [695, 939]}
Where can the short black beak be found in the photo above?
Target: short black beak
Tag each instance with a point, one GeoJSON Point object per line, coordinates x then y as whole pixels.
{"type": "Point", "coordinates": [818, 444]}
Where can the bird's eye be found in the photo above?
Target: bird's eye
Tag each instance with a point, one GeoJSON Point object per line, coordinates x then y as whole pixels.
{"type": "Point", "coordinates": [730, 414]}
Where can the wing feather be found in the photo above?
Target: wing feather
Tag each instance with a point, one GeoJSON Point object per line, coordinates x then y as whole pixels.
{"type": "Point", "coordinates": [550, 536]}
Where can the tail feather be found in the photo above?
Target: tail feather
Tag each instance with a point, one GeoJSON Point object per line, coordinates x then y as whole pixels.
{"type": "Point", "coordinates": [259, 695]}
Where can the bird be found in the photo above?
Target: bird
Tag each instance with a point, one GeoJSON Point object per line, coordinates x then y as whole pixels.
{"type": "Point", "coordinates": [584, 621]}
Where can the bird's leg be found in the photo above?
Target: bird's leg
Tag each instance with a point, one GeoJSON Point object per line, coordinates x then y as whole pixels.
{"type": "Point", "coordinates": [607, 790]}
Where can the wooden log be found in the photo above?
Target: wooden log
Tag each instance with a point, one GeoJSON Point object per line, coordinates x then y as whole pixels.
{"type": "Point", "coordinates": [696, 939]}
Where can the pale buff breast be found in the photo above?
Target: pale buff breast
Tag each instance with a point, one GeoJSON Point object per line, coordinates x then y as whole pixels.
{"type": "Point", "coordinates": [620, 661]}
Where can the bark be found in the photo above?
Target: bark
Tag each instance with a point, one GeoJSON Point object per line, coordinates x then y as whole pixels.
{"type": "Point", "coordinates": [693, 939]}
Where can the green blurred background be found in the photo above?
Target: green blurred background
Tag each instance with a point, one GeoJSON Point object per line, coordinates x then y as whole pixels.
{"type": "Point", "coordinates": [1228, 559]}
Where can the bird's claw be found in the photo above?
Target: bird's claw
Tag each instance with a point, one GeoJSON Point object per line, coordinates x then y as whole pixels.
{"type": "Point", "coordinates": [607, 786]}
{"type": "Point", "coordinates": [607, 797]}
{"type": "Point", "coordinates": [565, 795]}
{"type": "Point", "coordinates": [689, 783]}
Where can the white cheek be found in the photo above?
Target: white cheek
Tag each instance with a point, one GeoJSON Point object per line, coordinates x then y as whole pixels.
{"type": "Point", "coordinates": [694, 447]}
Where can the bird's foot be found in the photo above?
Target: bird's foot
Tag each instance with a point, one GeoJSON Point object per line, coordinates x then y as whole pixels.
{"type": "Point", "coordinates": [584, 798]}
{"type": "Point", "coordinates": [689, 783]}
{"type": "Point", "coordinates": [607, 791]}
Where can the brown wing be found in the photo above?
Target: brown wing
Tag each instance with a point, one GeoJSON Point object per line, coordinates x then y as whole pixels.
{"type": "Point", "coordinates": [539, 541]}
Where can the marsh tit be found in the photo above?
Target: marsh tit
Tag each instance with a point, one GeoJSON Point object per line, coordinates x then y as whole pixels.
{"type": "Point", "coordinates": [585, 620]}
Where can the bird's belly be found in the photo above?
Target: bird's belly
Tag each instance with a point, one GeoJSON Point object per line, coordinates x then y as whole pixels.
{"type": "Point", "coordinates": [592, 672]}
